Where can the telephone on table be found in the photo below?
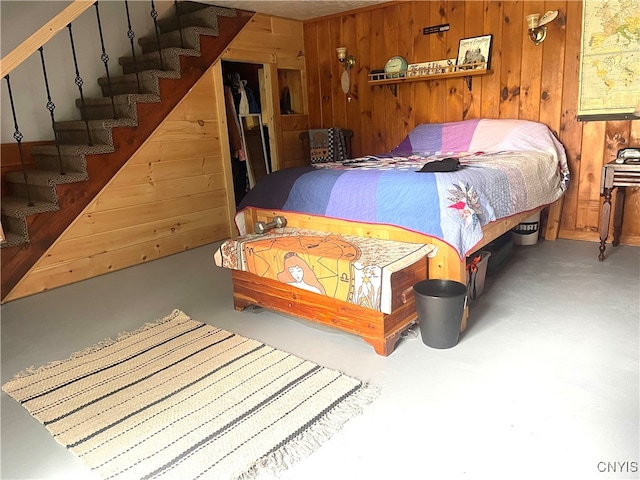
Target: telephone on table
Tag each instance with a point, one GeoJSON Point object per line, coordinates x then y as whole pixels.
{"type": "Point", "coordinates": [628, 155]}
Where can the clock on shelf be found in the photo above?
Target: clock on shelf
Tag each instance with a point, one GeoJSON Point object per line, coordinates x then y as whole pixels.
{"type": "Point", "coordinates": [395, 65]}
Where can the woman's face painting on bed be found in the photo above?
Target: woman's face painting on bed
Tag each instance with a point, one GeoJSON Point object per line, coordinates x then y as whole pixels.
{"type": "Point", "coordinates": [296, 272]}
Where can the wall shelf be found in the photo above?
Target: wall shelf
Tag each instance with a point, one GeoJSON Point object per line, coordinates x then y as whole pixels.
{"type": "Point", "coordinates": [393, 79]}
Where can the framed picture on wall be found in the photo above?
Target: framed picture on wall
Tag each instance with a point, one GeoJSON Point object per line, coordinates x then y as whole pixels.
{"type": "Point", "coordinates": [475, 52]}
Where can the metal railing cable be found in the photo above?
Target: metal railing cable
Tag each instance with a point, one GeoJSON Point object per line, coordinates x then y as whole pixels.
{"type": "Point", "coordinates": [51, 107]}
{"type": "Point", "coordinates": [175, 6]}
{"type": "Point", "coordinates": [79, 82]}
{"type": "Point", "coordinates": [17, 135]}
{"type": "Point", "coordinates": [105, 59]}
{"type": "Point", "coordinates": [131, 35]}
{"type": "Point", "coordinates": [154, 15]}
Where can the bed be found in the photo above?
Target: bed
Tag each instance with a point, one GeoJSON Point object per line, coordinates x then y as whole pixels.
{"type": "Point", "coordinates": [499, 173]}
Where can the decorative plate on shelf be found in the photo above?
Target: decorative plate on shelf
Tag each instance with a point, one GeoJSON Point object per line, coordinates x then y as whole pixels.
{"type": "Point", "coordinates": [395, 65]}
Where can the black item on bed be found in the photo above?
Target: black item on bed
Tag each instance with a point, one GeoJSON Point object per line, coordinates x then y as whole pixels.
{"type": "Point", "coordinates": [448, 164]}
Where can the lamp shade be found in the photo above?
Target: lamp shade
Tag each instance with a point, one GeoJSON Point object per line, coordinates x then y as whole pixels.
{"type": "Point", "coordinates": [532, 20]}
{"type": "Point", "coordinates": [636, 112]}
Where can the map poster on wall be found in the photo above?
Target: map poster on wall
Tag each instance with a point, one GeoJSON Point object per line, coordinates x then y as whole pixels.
{"type": "Point", "coordinates": [610, 63]}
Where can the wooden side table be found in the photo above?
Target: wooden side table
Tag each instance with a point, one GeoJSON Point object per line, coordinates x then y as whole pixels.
{"type": "Point", "coordinates": [615, 175]}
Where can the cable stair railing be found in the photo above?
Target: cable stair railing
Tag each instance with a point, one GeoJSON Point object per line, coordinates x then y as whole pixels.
{"type": "Point", "coordinates": [32, 191]}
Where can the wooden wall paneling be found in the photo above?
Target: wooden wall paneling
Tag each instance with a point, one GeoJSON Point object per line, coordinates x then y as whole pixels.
{"type": "Point", "coordinates": [455, 87]}
{"type": "Point", "coordinates": [157, 151]}
{"type": "Point", "coordinates": [551, 82]}
{"type": "Point", "coordinates": [379, 55]}
{"type": "Point", "coordinates": [272, 102]}
{"type": "Point", "coordinates": [272, 35]}
{"type": "Point", "coordinates": [436, 106]}
{"type": "Point", "coordinates": [326, 57]}
{"type": "Point", "coordinates": [127, 215]}
{"type": "Point", "coordinates": [550, 101]}
{"type": "Point", "coordinates": [421, 15]}
{"type": "Point", "coordinates": [234, 53]}
{"type": "Point", "coordinates": [392, 102]}
{"type": "Point", "coordinates": [294, 156]}
{"type": "Point", "coordinates": [593, 150]}
{"type": "Point", "coordinates": [124, 235]}
{"type": "Point", "coordinates": [405, 95]}
{"type": "Point", "coordinates": [617, 136]}
{"type": "Point", "coordinates": [349, 34]}
{"type": "Point", "coordinates": [512, 38]}
{"type": "Point", "coordinates": [224, 147]}
{"type": "Point", "coordinates": [287, 32]}
{"type": "Point", "coordinates": [570, 129]}
{"type": "Point", "coordinates": [490, 102]}
{"type": "Point", "coordinates": [159, 171]}
{"type": "Point", "coordinates": [364, 92]}
{"type": "Point", "coordinates": [472, 100]}
{"type": "Point", "coordinates": [119, 196]}
{"type": "Point", "coordinates": [339, 103]}
{"type": "Point", "coordinates": [313, 74]}
{"type": "Point", "coordinates": [112, 260]}
{"type": "Point", "coordinates": [530, 68]}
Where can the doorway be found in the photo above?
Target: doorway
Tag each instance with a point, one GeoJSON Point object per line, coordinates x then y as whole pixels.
{"type": "Point", "coordinates": [244, 88]}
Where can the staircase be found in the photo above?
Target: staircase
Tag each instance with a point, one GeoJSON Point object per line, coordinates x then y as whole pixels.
{"type": "Point", "coordinates": [37, 207]}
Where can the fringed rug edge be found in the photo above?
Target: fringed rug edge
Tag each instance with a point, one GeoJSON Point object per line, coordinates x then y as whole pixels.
{"type": "Point", "coordinates": [309, 441]}
{"type": "Point", "coordinates": [27, 372]}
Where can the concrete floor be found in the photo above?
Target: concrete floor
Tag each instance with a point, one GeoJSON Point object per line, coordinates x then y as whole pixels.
{"type": "Point", "coordinates": [543, 385]}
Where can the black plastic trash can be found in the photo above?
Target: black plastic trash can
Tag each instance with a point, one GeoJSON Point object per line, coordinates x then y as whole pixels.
{"type": "Point", "coordinates": [440, 306]}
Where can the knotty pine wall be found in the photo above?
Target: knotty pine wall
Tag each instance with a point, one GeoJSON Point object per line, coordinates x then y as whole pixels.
{"type": "Point", "coordinates": [528, 82]}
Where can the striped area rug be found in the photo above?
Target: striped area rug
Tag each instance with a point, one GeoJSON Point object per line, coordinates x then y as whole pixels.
{"type": "Point", "coordinates": [182, 399]}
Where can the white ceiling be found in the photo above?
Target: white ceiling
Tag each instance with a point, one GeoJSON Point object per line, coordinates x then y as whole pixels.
{"type": "Point", "coordinates": [298, 10]}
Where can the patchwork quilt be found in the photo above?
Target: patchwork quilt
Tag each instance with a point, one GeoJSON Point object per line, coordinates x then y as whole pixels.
{"type": "Point", "coordinates": [506, 167]}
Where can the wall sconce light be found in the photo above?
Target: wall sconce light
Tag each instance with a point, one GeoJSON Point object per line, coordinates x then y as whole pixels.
{"type": "Point", "coordinates": [537, 25]}
{"type": "Point", "coordinates": [348, 62]}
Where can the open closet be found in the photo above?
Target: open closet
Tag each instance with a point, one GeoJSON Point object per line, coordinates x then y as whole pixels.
{"type": "Point", "coordinates": [244, 91]}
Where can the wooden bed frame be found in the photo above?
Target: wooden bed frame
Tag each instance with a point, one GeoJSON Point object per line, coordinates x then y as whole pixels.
{"type": "Point", "coordinates": [380, 330]}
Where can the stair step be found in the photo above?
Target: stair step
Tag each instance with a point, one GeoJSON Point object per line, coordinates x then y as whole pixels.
{"type": "Point", "coordinates": [151, 60]}
{"type": "Point", "coordinates": [190, 39]}
{"type": "Point", "coordinates": [43, 193]}
{"type": "Point", "coordinates": [18, 207]}
{"type": "Point", "coordinates": [188, 7]}
{"type": "Point", "coordinates": [75, 131]}
{"type": "Point", "coordinates": [70, 163]}
{"type": "Point", "coordinates": [48, 178]}
{"type": "Point", "coordinates": [128, 84]}
{"type": "Point", "coordinates": [13, 240]}
{"type": "Point", "coordinates": [205, 17]}
{"type": "Point", "coordinates": [125, 106]}
{"type": "Point", "coordinates": [72, 149]}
